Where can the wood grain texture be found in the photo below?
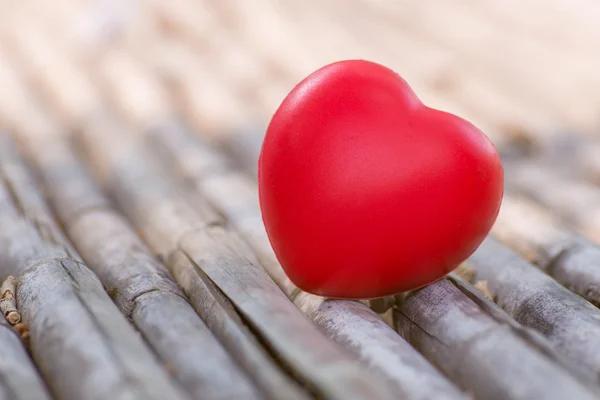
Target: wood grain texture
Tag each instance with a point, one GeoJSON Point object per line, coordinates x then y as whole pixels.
{"type": "Point", "coordinates": [218, 270]}
{"type": "Point", "coordinates": [82, 345]}
{"type": "Point", "coordinates": [222, 318]}
{"type": "Point", "coordinates": [471, 346]}
{"type": "Point", "coordinates": [140, 286]}
{"type": "Point", "coordinates": [570, 323]}
{"type": "Point", "coordinates": [539, 237]}
{"type": "Point", "coordinates": [351, 324]}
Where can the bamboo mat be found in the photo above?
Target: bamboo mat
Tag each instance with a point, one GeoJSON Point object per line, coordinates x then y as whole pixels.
{"type": "Point", "coordinates": [130, 220]}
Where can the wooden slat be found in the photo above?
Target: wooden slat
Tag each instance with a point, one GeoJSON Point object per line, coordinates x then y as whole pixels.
{"type": "Point", "coordinates": [206, 257]}
{"type": "Point", "coordinates": [140, 286]}
{"type": "Point", "coordinates": [472, 346]}
{"type": "Point", "coordinates": [243, 148]}
{"type": "Point", "coordinates": [208, 301]}
{"type": "Point", "coordinates": [538, 236]}
{"type": "Point", "coordinates": [587, 159]}
{"type": "Point", "coordinates": [536, 300]}
{"type": "Point", "coordinates": [164, 338]}
{"type": "Point", "coordinates": [19, 377]}
{"type": "Point", "coordinates": [577, 202]}
{"type": "Point", "coordinates": [83, 346]}
{"type": "Point", "coordinates": [32, 206]}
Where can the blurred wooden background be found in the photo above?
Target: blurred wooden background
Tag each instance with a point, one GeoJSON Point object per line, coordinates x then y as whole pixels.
{"type": "Point", "coordinates": [513, 67]}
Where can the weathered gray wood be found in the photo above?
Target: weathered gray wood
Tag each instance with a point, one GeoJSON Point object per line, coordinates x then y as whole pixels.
{"type": "Point", "coordinates": [83, 346]}
{"type": "Point", "coordinates": [184, 342]}
{"type": "Point", "coordinates": [479, 294]}
{"type": "Point", "coordinates": [243, 148]}
{"type": "Point", "coordinates": [577, 155]}
{"type": "Point", "coordinates": [216, 269]}
{"type": "Point", "coordinates": [209, 172]}
{"type": "Point", "coordinates": [8, 300]}
{"type": "Point", "coordinates": [140, 286]}
{"type": "Point", "coordinates": [588, 159]}
{"type": "Point", "coordinates": [536, 235]}
{"type": "Point", "coordinates": [349, 323]}
{"type": "Point", "coordinates": [33, 208]}
{"type": "Point", "coordinates": [575, 201]}
{"type": "Point", "coordinates": [485, 356]}
{"type": "Point", "coordinates": [19, 378]}
{"type": "Point", "coordinates": [536, 300]}
{"type": "Point", "coordinates": [222, 318]}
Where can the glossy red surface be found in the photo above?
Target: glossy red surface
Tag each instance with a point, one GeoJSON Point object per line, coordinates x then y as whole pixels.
{"type": "Point", "coordinates": [365, 192]}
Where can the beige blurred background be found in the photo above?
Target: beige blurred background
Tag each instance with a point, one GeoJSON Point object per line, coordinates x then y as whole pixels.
{"type": "Point", "coordinates": [516, 68]}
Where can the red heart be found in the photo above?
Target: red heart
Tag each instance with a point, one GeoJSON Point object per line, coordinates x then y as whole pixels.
{"type": "Point", "coordinates": [366, 192]}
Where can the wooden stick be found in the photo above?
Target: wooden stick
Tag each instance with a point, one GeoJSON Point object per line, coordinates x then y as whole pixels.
{"type": "Point", "coordinates": [8, 301]}
{"type": "Point", "coordinates": [472, 347]}
{"type": "Point", "coordinates": [33, 207]}
{"type": "Point", "coordinates": [262, 371]}
{"type": "Point", "coordinates": [209, 172]}
{"type": "Point", "coordinates": [587, 160]}
{"type": "Point", "coordinates": [349, 323]}
{"type": "Point", "coordinates": [536, 235]}
{"type": "Point", "coordinates": [536, 300]}
{"type": "Point", "coordinates": [19, 378]}
{"type": "Point", "coordinates": [140, 286]}
{"type": "Point", "coordinates": [83, 346]}
{"type": "Point", "coordinates": [218, 273]}
{"type": "Point", "coordinates": [577, 155]}
{"type": "Point", "coordinates": [22, 330]}
{"type": "Point", "coordinates": [576, 203]}
{"type": "Point", "coordinates": [243, 148]}
{"type": "Point", "coordinates": [223, 319]}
